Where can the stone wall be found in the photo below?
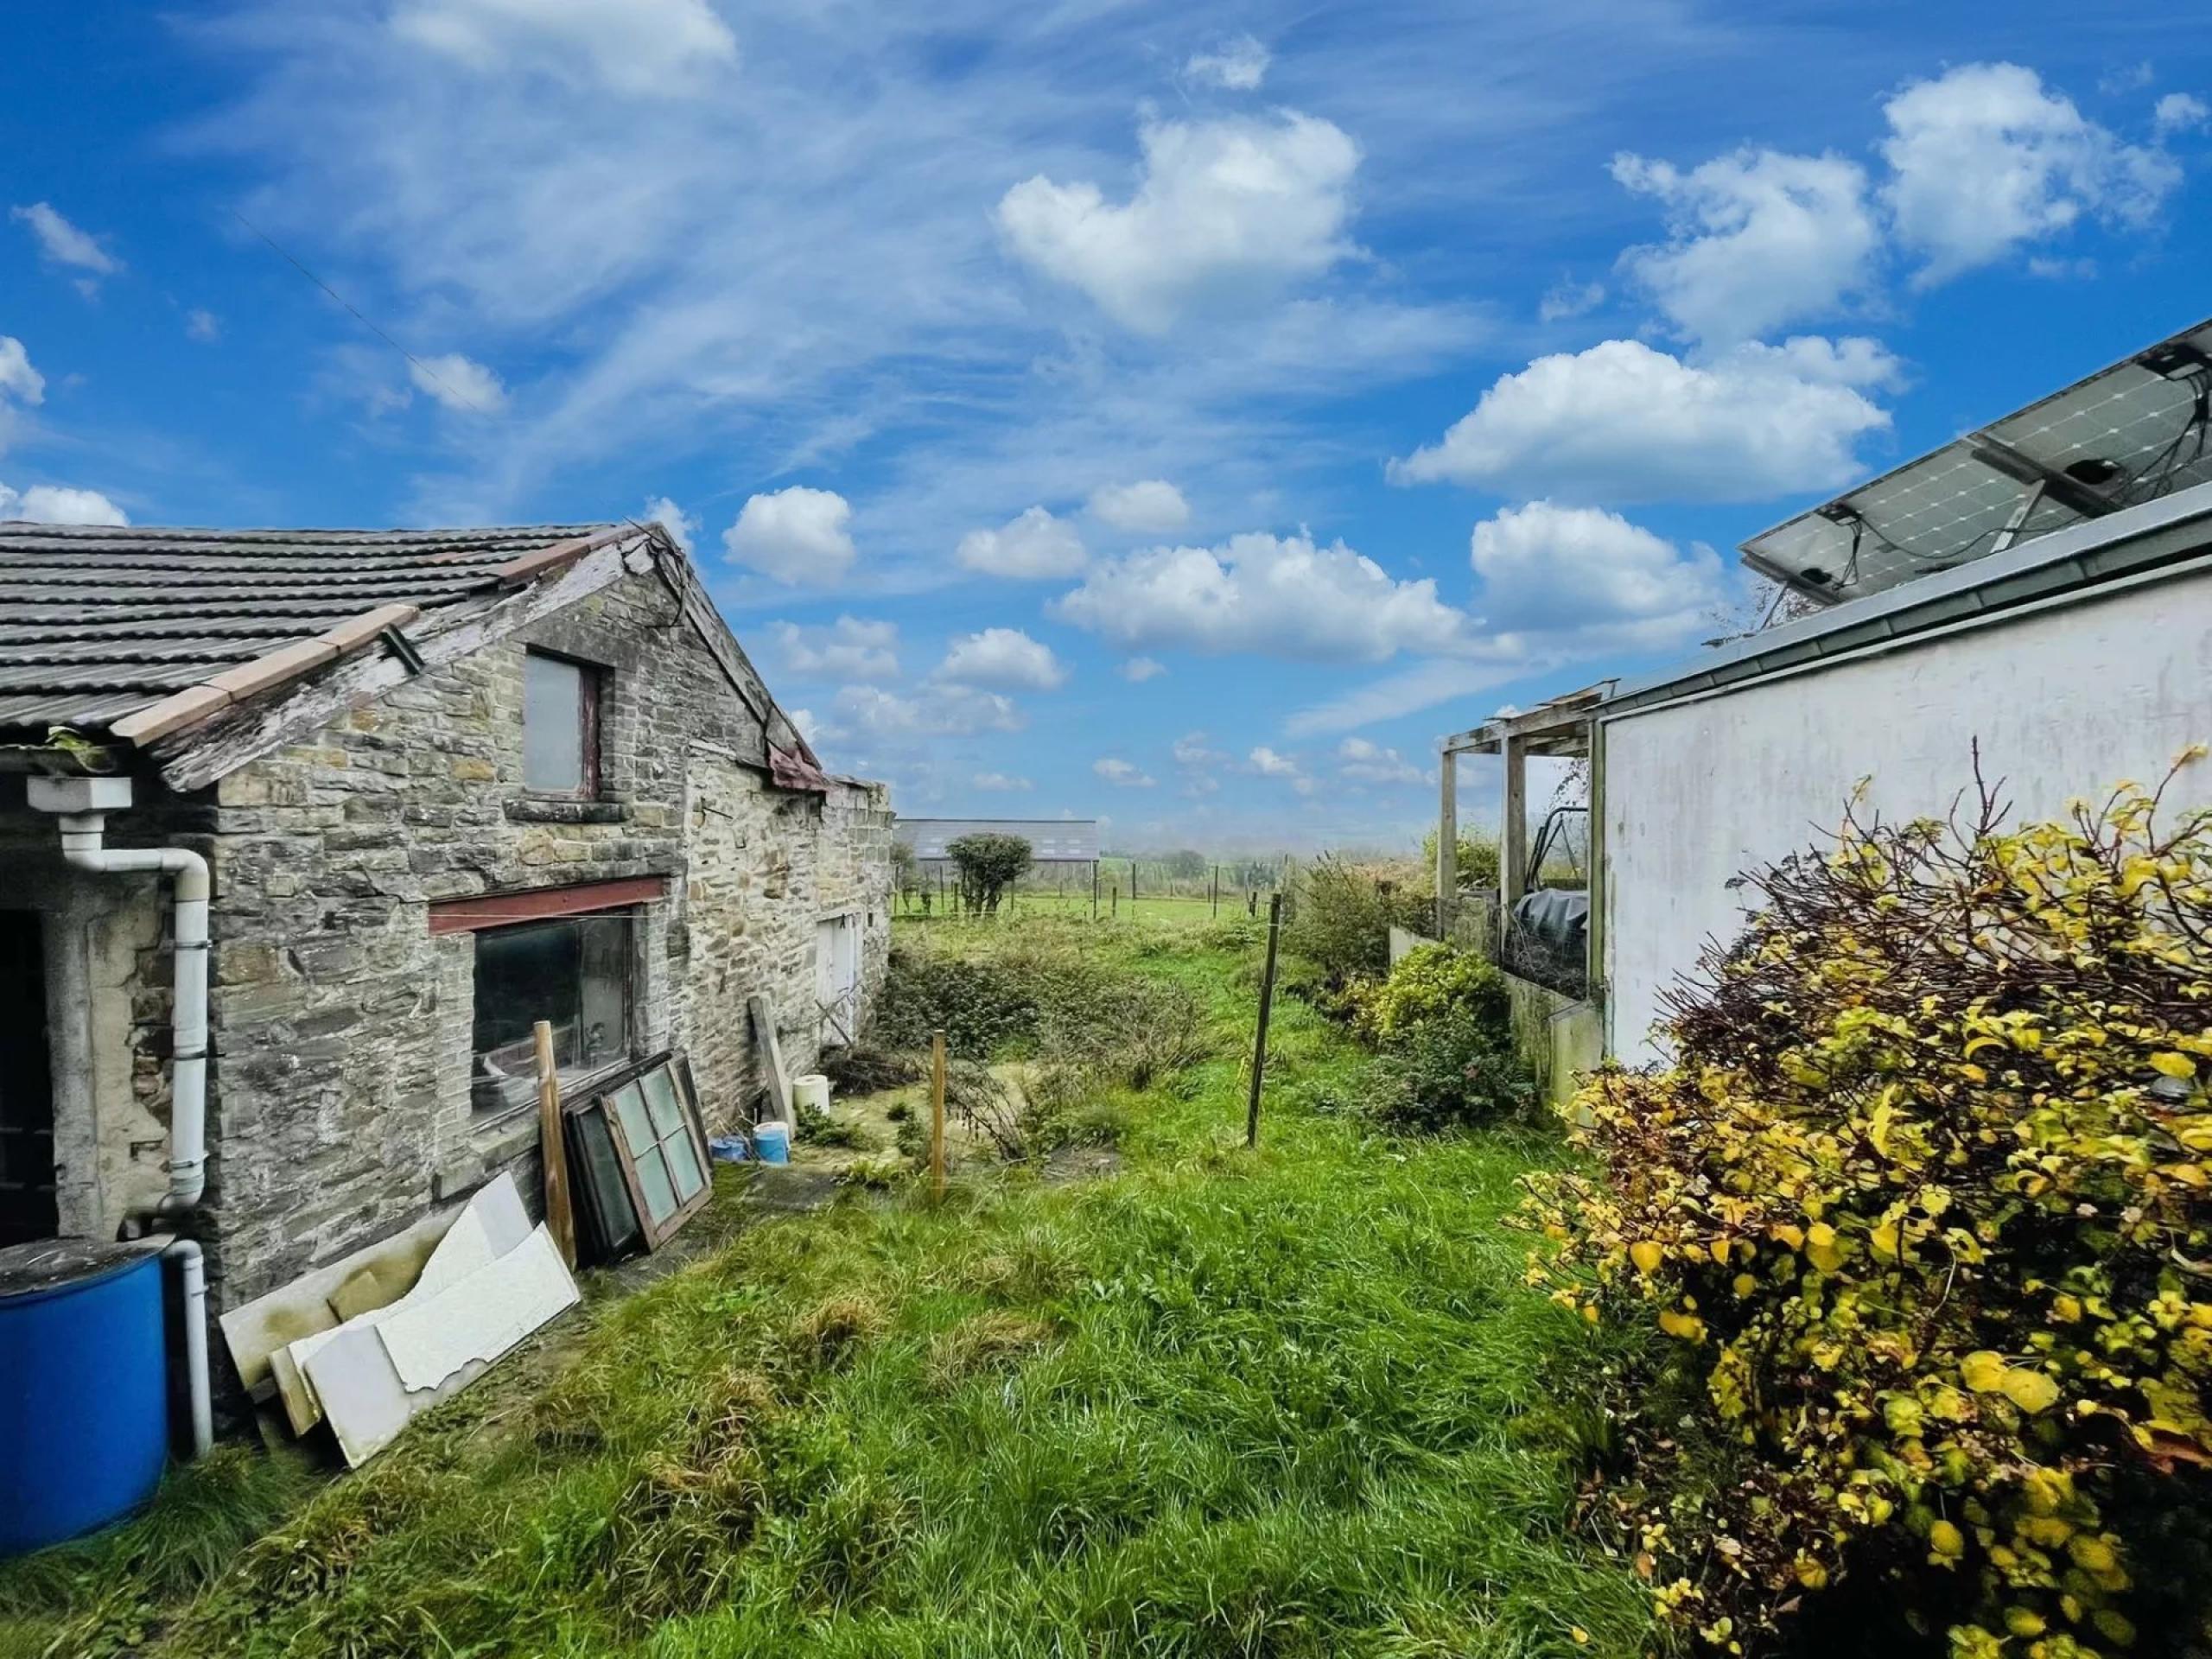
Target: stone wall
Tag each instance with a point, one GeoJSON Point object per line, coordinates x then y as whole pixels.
{"type": "Point", "coordinates": [107, 984]}
{"type": "Point", "coordinates": [341, 1026]}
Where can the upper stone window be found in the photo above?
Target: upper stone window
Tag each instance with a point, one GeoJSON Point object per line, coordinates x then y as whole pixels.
{"type": "Point", "coordinates": [560, 726]}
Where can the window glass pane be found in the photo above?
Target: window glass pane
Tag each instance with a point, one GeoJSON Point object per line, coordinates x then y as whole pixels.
{"type": "Point", "coordinates": [575, 973]}
{"type": "Point", "coordinates": [653, 1182]}
{"type": "Point", "coordinates": [660, 1101]}
{"type": "Point", "coordinates": [522, 974]}
{"type": "Point", "coordinates": [603, 1000]}
{"type": "Point", "coordinates": [552, 723]}
{"type": "Point", "coordinates": [604, 1191]}
{"type": "Point", "coordinates": [683, 1164]}
{"type": "Point", "coordinates": [630, 1106]}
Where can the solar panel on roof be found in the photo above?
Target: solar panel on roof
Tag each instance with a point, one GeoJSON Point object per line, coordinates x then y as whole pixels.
{"type": "Point", "coordinates": [2134, 432]}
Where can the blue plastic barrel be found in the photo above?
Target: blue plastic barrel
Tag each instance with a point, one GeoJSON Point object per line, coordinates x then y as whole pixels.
{"type": "Point", "coordinates": [83, 1387]}
{"type": "Point", "coordinates": [772, 1141]}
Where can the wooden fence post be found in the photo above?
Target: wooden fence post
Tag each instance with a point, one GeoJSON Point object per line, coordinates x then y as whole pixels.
{"type": "Point", "coordinates": [560, 1215]}
{"type": "Point", "coordinates": [1266, 1000]}
{"type": "Point", "coordinates": [937, 1115]}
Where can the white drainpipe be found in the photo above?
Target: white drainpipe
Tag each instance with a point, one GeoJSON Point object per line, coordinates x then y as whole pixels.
{"type": "Point", "coordinates": [82, 803]}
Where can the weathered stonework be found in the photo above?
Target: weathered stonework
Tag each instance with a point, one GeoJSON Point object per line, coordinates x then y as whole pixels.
{"type": "Point", "coordinates": [341, 1026]}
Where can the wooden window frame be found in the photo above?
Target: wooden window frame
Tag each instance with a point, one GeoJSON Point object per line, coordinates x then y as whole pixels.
{"type": "Point", "coordinates": [544, 904]}
{"type": "Point", "coordinates": [582, 1079]}
{"type": "Point", "coordinates": [592, 689]}
{"type": "Point", "coordinates": [600, 1098]}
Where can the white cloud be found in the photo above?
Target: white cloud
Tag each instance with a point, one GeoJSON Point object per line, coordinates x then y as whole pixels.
{"type": "Point", "coordinates": [1121, 773]}
{"type": "Point", "coordinates": [459, 382]}
{"type": "Point", "coordinates": [18, 379]}
{"type": "Point", "coordinates": [1138, 670]}
{"type": "Point", "coordinates": [202, 325]}
{"type": "Point", "coordinates": [849, 648]}
{"type": "Point", "coordinates": [1239, 66]}
{"type": "Point", "coordinates": [1191, 750]}
{"type": "Point", "coordinates": [64, 243]}
{"type": "Point", "coordinates": [1423, 685]}
{"type": "Point", "coordinates": [2061, 271]}
{"type": "Point", "coordinates": [682, 527]}
{"type": "Point", "coordinates": [1366, 762]}
{"type": "Point", "coordinates": [1566, 298]}
{"type": "Point", "coordinates": [1269, 764]}
{"type": "Point", "coordinates": [940, 711]}
{"type": "Point", "coordinates": [20, 383]}
{"type": "Point", "coordinates": [49, 504]}
{"type": "Point", "coordinates": [1590, 575]}
{"type": "Point", "coordinates": [1151, 507]}
{"type": "Point", "coordinates": [638, 46]}
{"type": "Point", "coordinates": [1756, 240]}
{"type": "Point", "coordinates": [1000, 782]}
{"type": "Point", "coordinates": [1228, 211]}
{"type": "Point", "coordinates": [1627, 422]}
{"type": "Point", "coordinates": [1004, 657]}
{"type": "Point", "coordinates": [1555, 584]}
{"type": "Point", "coordinates": [2180, 112]}
{"type": "Point", "coordinates": [1281, 596]}
{"type": "Point", "coordinates": [811, 727]}
{"type": "Point", "coordinates": [794, 535]}
{"type": "Point", "coordinates": [885, 309]}
{"type": "Point", "coordinates": [1031, 545]}
{"type": "Point", "coordinates": [1985, 159]}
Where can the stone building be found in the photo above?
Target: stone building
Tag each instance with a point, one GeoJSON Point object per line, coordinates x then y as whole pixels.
{"type": "Point", "coordinates": [444, 783]}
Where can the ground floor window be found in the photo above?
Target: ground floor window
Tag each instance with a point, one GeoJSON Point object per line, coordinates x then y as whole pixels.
{"type": "Point", "coordinates": [578, 973]}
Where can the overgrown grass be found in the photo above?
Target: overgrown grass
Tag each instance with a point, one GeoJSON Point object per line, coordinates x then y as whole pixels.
{"type": "Point", "coordinates": [1295, 1402]}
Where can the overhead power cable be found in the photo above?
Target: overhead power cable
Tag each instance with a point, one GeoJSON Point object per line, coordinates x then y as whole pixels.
{"type": "Point", "coordinates": [354, 311]}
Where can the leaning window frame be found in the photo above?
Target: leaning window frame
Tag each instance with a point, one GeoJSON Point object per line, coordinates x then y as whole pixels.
{"type": "Point", "coordinates": [600, 1098]}
{"type": "Point", "coordinates": [591, 691]}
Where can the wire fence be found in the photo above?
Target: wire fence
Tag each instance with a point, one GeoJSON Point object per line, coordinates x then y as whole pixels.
{"type": "Point", "coordinates": [1110, 886]}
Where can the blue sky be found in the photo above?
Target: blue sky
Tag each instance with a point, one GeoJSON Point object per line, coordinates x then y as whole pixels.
{"type": "Point", "coordinates": [1181, 414]}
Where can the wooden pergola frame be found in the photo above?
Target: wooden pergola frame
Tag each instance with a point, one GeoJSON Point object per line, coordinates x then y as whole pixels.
{"type": "Point", "coordinates": [1565, 727]}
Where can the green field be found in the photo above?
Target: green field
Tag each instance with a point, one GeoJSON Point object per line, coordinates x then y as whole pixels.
{"type": "Point", "coordinates": [1294, 1401]}
{"type": "Point", "coordinates": [1178, 909]}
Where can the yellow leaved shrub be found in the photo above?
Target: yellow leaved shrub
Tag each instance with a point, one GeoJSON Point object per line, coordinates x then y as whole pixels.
{"type": "Point", "coordinates": [1921, 1217]}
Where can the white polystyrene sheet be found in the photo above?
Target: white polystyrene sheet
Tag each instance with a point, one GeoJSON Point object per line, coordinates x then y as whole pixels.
{"type": "Point", "coordinates": [478, 1320]}
{"type": "Point", "coordinates": [479, 1317]}
{"type": "Point", "coordinates": [492, 1224]}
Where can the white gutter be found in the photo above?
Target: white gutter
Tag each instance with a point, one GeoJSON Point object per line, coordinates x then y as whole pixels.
{"type": "Point", "coordinates": [82, 805]}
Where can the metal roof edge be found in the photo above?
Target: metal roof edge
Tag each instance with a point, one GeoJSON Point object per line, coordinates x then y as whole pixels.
{"type": "Point", "coordinates": [2081, 557]}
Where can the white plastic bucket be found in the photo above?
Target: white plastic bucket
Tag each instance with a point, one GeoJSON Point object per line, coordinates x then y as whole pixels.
{"type": "Point", "coordinates": [811, 1088]}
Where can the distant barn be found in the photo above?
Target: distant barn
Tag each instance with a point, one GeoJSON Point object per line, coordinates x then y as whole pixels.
{"type": "Point", "coordinates": [1052, 840]}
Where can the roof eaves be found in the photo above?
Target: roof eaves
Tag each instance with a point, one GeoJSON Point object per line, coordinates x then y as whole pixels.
{"type": "Point", "coordinates": [286, 663]}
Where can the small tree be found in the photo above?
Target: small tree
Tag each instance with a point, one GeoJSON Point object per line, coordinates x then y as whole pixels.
{"type": "Point", "coordinates": [989, 865]}
{"type": "Point", "coordinates": [906, 870]}
{"type": "Point", "coordinates": [1478, 859]}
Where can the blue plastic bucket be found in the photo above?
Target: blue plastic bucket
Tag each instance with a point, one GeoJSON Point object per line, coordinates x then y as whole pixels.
{"type": "Point", "coordinates": [83, 1387]}
{"type": "Point", "coordinates": [728, 1149]}
{"type": "Point", "coordinates": [772, 1141]}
